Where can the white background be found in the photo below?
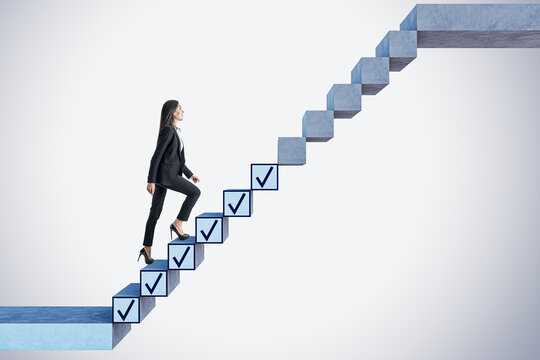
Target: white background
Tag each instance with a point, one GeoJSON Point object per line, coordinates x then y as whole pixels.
{"type": "Point", "coordinates": [412, 234]}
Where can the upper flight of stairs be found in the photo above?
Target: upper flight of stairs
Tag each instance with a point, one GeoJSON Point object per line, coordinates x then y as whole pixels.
{"type": "Point", "coordinates": [426, 26]}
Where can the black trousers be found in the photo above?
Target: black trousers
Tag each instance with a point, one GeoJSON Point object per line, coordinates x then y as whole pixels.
{"type": "Point", "coordinates": [181, 185]}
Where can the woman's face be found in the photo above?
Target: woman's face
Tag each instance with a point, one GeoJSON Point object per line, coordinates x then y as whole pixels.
{"type": "Point", "coordinates": [179, 113]}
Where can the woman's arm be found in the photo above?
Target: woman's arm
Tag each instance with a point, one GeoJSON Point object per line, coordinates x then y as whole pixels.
{"type": "Point", "coordinates": [187, 172]}
{"type": "Point", "coordinates": [165, 136]}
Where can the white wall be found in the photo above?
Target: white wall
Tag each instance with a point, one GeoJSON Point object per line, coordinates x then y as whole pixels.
{"type": "Point", "coordinates": [412, 234]}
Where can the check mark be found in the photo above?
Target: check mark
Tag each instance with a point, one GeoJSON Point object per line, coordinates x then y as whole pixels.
{"type": "Point", "coordinates": [124, 316]}
{"type": "Point", "coordinates": [206, 237]}
{"type": "Point", "coordinates": [265, 178]}
{"type": "Point", "coordinates": [178, 263]}
{"type": "Point", "coordinates": [235, 209]}
{"type": "Point", "coordinates": [151, 289]}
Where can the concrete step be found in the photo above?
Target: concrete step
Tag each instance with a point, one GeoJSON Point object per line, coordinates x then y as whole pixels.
{"type": "Point", "coordinates": [264, 176]}
{"type": "Point", "coordinates": [291, 150]}
{"type": "Point", "coordinates": [373, 73]}
{"type": "Point", "coordinates": [59, 328]}
{"type": "Point", "coordinates": [211, 228]}
{"type": "Point", "coordinates": [318, 126]}
{"type": "Point", "coordinates": [400, 47]}
{"type": "Point", "coordinates": [129, 306]}
{"type": "Point", "coordinates": [237, 202]}
{"type": "Point", "coordinates": [185, 254]}
{"type": "Point", "coordinates": [345, 100]}
{"type": "Point", "coordinates": [475, 25]}
{"type": "Point", "coordinates": [157, 280]}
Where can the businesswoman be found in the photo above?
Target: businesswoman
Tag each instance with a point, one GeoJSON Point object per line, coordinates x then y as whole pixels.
{"type": "Point", "coordinates": [166, 168]}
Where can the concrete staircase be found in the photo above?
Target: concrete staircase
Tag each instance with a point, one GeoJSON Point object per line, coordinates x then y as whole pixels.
{"type": "Point", "coordinates": [426, 26]}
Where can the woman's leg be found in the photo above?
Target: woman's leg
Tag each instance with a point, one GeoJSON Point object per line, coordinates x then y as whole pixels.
{"type": "Point", "coordinates": [184, 186]}
{"type": "Point", "coordinates": [155, 211]}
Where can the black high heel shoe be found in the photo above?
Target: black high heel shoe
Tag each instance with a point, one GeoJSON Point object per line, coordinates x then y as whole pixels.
{"type": "Point", "coordinates": [147, 259]}
{"type": "Point", "coordinates": [181, 237]}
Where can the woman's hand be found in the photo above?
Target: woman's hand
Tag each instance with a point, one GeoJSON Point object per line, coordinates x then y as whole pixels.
{"type": "Point", "coordinates": [194, 178]}
{"type": "Point", "coordinates": [151, 187]}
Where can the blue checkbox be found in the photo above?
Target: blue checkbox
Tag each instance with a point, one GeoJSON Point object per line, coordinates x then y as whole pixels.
{"type": "Point", "coordinates": [264, 176]}
{"type": "Point", "coordinates": [126, 310]}
{"type": "Point", "coordinates": [157, 279]}
{"type": "Point", "coordinates": [237, 203]}
{"type": "Point", "coordinates": [185, 254]}
{"type": "Point", "coordinates": [154, 283]}
{"type": "Point", "coordinates": [211, 228]}
{"type": "Point", "coordinates": [129, 306]}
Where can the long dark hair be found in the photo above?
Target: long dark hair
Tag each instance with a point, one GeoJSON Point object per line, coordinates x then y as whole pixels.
{"type": "Point", "coordinates": [167, 112]}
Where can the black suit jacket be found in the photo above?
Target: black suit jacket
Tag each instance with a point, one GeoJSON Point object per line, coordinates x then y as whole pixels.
{"type": "Point", "coordinates": [168, 161]}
